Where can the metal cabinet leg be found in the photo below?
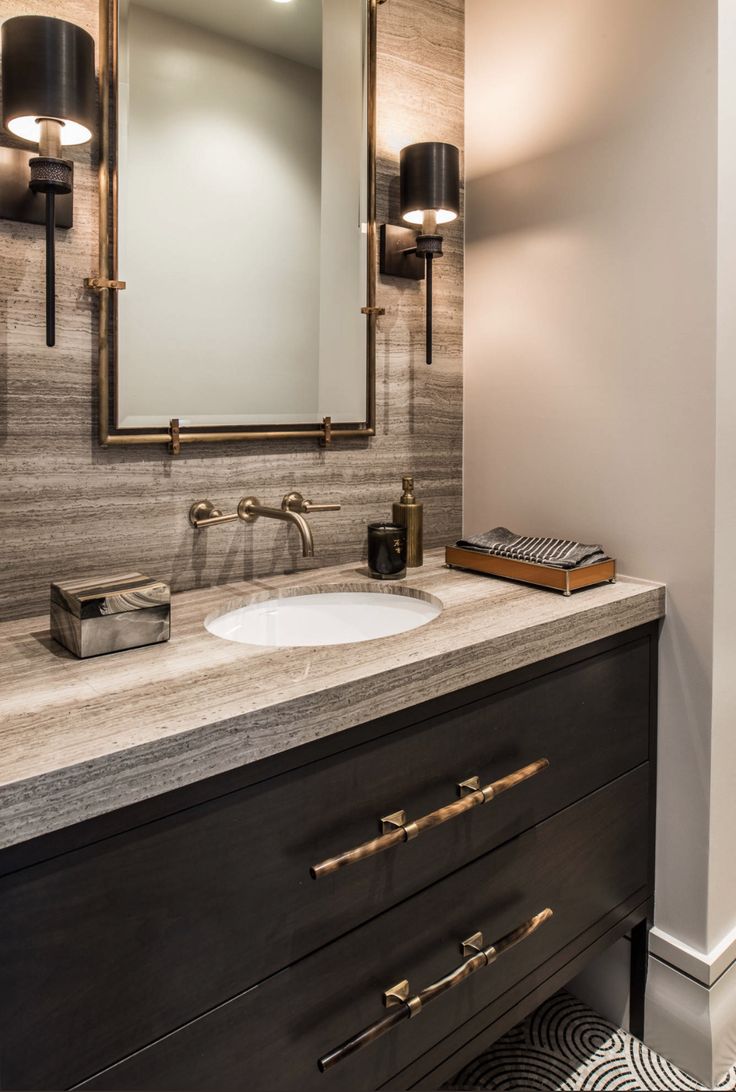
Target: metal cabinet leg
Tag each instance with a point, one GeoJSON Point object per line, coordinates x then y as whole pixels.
{"type": "Point", "coordinates": [638, 979]}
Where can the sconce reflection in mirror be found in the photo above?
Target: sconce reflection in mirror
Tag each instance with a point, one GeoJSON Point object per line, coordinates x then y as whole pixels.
{"type": "Point", "coordinates": [430, 196]}
{"type": "Point", "coordinates": [48, 99]}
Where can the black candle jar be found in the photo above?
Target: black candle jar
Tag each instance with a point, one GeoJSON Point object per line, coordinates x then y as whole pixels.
{"type": "Point", "coordinates": [387, 550]}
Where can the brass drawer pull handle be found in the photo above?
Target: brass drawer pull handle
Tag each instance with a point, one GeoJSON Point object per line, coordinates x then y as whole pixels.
{"type": "Point", "coordinates": [396, 829]}
{"type": "Point", "coordinates": [406, 1007]}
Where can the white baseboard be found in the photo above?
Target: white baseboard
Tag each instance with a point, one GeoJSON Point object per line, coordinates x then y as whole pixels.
{"type": "Point", "coordinates": [690, 1011]}
{"type": "Point", "coordinates": [692, 1024]}
{"type": "Point", "coordinates": [706, 967]}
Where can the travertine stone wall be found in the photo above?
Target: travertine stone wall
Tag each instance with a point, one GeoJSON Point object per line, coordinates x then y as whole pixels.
{"type": "Point", "coordinates": [71, 508]}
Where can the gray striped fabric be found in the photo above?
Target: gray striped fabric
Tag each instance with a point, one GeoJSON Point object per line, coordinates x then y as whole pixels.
{"type": "Point", "coordinates": [558, 552]}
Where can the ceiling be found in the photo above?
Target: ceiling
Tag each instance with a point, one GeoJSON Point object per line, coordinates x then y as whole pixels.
{"type": "Point", "coordinates": [292, 30]}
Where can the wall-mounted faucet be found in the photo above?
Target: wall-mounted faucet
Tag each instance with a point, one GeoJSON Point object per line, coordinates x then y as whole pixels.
{"type": "Point", "coordinates": [250, 509]}
{"type": "Point", "coordinates": [293, 509]}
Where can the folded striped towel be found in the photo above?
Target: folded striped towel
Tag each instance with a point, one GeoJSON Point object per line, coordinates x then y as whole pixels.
{"type": "Point", "coordinates": [558, 552]}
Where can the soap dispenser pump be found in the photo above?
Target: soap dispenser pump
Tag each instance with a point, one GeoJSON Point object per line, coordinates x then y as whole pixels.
{"type": "Point", "coordinates": [410, 512]}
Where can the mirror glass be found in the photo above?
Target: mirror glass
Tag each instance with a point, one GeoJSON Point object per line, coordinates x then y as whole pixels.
{"type": "Point", "coordinates": [242, 170]}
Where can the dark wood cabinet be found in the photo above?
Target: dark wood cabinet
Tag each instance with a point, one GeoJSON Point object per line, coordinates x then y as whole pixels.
{"type": "Point", "coordinates": [579, 863]}
{"type": "Point", "coordinates": [192, 949]}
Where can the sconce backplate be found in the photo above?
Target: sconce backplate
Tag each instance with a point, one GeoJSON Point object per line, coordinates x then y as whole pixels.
{"type": "Point", "coordinates": [17, 201]}
{"type": "Point", "coordinates": [395, 242]}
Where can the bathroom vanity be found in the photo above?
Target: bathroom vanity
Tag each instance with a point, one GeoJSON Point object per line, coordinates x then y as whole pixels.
{"type": "Point", "coordinates": [165, 812]}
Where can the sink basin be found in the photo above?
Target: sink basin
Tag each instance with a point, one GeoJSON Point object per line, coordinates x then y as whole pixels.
{"type": "Point", "coordinates": [338, 616]}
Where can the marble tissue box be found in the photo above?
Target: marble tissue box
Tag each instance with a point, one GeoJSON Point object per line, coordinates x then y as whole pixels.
{"type": "Point", "coordinates": [109, 614]}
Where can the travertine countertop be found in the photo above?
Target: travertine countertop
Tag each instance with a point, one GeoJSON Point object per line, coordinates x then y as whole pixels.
{"type": "Point", "coordinates": [81, 738]}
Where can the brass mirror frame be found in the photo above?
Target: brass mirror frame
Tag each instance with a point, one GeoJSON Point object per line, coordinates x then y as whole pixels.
{"type": "Point", "coordinates": [107, 285]}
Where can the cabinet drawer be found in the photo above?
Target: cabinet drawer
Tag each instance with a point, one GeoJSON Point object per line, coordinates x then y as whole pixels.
{"type": "Point", "coordinates": [583, 862]}
{"type": "Point", "coordinates": [111, 946]}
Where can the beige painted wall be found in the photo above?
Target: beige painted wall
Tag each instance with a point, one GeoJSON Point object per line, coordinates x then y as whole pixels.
{"type": "Point", "coordinates": [722, 877]}
{"type": "Point", "coordinates": [601, 399]}
{"type": "Point", "coordinates": [590, 331]}
{"type": "Point", "coordinates": [71, 508]}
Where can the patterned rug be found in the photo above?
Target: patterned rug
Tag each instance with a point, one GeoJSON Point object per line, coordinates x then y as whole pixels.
{"type": "Point", "coordinates": [564, 1045]}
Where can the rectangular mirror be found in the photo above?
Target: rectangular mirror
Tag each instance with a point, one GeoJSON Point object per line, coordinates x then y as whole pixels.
{"type": "Point", "coordinates": [238, 191]}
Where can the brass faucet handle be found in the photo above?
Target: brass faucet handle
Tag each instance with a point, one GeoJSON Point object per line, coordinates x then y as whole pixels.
{"type": "Point", "coordinates": [309, 507]}
{"type": "Point", "coordinates": [295, 502]}
{"type": "Point", "coordinates": [204, 514]}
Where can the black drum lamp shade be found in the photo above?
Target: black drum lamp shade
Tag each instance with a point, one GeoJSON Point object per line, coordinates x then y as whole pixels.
{"type": "Point", "coordinates": [48, 71]}
{"type": "Point", "coordinates": [430, 196]}
{"type": "Point", "coordinates": [430, 182]}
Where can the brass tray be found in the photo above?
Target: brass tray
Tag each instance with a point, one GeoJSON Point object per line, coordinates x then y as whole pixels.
{"type": "Point", "coordinates": [525, 572]}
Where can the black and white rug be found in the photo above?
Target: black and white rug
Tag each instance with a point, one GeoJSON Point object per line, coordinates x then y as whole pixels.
{"type": "Point", "coordinates": [565, 1046]}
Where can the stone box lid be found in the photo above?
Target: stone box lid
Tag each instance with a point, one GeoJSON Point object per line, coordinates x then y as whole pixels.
{"type": "Point", "coordinates": [99, 596]}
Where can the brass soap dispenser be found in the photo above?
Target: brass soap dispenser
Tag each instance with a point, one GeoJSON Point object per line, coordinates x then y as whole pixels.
{"type": "Point", "coordinates": [410, 512]}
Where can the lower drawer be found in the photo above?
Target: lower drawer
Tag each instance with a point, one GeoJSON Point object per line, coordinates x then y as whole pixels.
{"type": "Point", "coordinates": [582, 863]}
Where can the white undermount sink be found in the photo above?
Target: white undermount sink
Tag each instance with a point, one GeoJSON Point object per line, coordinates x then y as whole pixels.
{"type": "Point", "coordinates": [337, 616]}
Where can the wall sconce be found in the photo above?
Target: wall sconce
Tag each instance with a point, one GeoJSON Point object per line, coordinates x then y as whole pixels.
{"type": "Point", "coordinates": [430, 196]}
{"type": "Point", "coordinates": [48, 99]}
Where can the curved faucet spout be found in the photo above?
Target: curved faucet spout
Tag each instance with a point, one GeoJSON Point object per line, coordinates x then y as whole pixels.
{"type": "Point", "coordinates": [250, 509]}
